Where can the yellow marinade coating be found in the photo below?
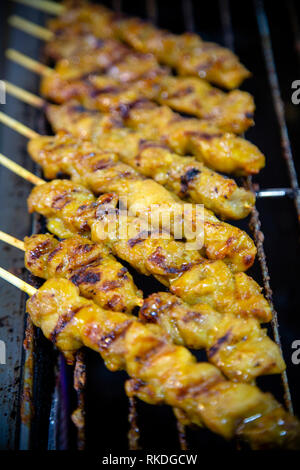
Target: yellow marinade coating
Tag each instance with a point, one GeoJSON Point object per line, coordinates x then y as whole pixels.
{"type": "Point", "coordinates": [102, 172]}
{"type": "Point", "coordinates": [72, 209]}
{"type": "Point", "coordinates": [187, 53]}
{"type": "Point", "coordinates": [185, 176]}
{"type": "Point", "coordinates": [160, 371]}
{"type": "Point", "coordinates": [83, 56]}
{"type": "Point", "coordinates": [219, 150]}
{"type": "Point", "coordinates": [90, 266]}
{"type": "Point", "coordinates": [238, 346]}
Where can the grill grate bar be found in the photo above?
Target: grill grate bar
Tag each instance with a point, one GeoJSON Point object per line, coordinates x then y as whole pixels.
{"type": "Point", "coordinates": [264, 31]}
{"type": "Point", "coordinates": [151, 10]}
{"type": "Point", "coordinates": [188, 16]}
{"type": "Point", "coordinates": [255, 223]}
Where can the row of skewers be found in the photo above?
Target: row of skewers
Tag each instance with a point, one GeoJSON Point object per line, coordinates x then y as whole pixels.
{"type": "Point", "coordinates": [113, 140]}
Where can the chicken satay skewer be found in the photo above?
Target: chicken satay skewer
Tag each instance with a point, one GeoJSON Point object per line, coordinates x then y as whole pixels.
{"type": "Point", "coordinates": [220, 334]}
{"type": "Point", "coordinates": [185, 176]}
{"type": "Point", "coordinates": [187, 53]}
{"type": "Point", "coordinates": [221, 151]}
{"type": "Point", "coordinates": [102, 172]}
{"type": "Point", "coordinates": [232, 111]}
{"type": "Point", "coordinates": [167, 259]}
{"type": "Point", "coordinates": [165, 373]}
{"type": "Point", "coordinates": [195, 327]}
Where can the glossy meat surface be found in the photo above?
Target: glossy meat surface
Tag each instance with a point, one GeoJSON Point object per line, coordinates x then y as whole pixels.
{"type": "Point", "coordinates": [160, 371]}
{"type": "Point", "coordinates": [186, 53]}
{"type": "Point", "coordinates": [102, 172]}
{"type": "Point", "coordinates": [90, 266]}
{"type": "Point", "coordinates": [219, 150]}
{"type": "Point", "coordinates": [80, 56]}
{"type": "Point", "coordinates": [71, 209]}
{"type": "Point", "coordinates": [185, 176]}
{"type": "Point", "coordinates": [238, 346]}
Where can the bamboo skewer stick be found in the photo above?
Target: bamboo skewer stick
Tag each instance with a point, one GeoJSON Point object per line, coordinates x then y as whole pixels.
{"type": "Point", "coordinates": [24, 95]}
{"type": "Point", "coordinates": [31, 28]}
{"type": "Point", "coordinates": [15, 281]}
{"type": "Point", "coordinates": [18, 126]}
{"type": "Point", "coordinates": [10, 240]}
{"type": "Point", "coordinates": [20, 171]}
{"type": "Point", "coordinates": [28, 63]}
{"type": "Point", "coordinates": [44, 5]}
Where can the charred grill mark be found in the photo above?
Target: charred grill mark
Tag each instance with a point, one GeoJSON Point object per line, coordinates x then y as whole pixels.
{"type": "Point", "coordinates": [54, 252]}
{"type": "Point", "coordinates": [215, 348]}
{"type": "Point", "coordinates": [120, 330]}
{"type": "Point", "coordinates": [204, 135]}
{"type": "Point", "coordinates": [159, 259]}
{"type": "Point", "coordinates": [114, 301]}
{"type": "Point", "coordinates": [139, 238]}
{"type": "Point", "coordinates": [38, 251]}
{"type": "Point", "coordinates": [60, 201]}
{"type": "Point", "coordinates": [107, 199]}
{"type": "Point", "coordinates": [84, 276]}
{"type": "Point", "coordinates": [144, 144]}
{"type": "Point", "coordinates": [101, 91]}
{"type": "Point", "coordinates": [110, 285]}
{"type": "Point", "coordinates": [187, 178]}
{"type": "Point", "coordinates": [147, 313]}
{"type": "Point", "coordinates": [63, 321]}
{"type": "Point", "coordinates": [248, 260]}
{"type": "Point", "coordinates": [198, 388]}
{"type": "Point", "coordinates": [191, 316]}
{"type": "Point", "coordinates": [124, 109]}
{"type": "Point", "coordinates": [78, 108]}
{"type": "Point", "coordinates": [122, 274]}
{"type": "Point", "coordinates": [155, 350]}
{"type": "Point", "coordinates": [102, 164]}
{"type": "Point", "coordinates": [180, 93]}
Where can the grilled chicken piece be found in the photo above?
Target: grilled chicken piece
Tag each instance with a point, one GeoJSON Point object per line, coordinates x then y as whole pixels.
{"type": "Point", "coordinates": [220, 151]}
{"type": "Point", "coordinates": [186, 53]}
{"type": "Point", "coordinates": [223, 152]}
{"type": "Point", "coordinates": [72, 209]}
{"type": "Point", "coordinates": [161, 372]}
{"type": "Point", "coordinates": [238, 346]}
{"type": "Point", "coordinates": [232, 112]}
{"type": "Point", "coordinates": [185, 176]}
{"type": "Point", "coordinates": [102, 172]}
{"type": "Point", "coordinates": [90, 266]}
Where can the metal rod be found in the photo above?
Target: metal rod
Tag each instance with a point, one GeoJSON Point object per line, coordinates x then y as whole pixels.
{"type": "Point", "coordinates": [277, 192]}
{"type": "Point", "coordinates": [255, 226]}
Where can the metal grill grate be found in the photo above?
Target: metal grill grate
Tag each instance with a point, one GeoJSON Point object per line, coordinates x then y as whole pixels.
{"type": "Point", "coordinates": [223, 10]}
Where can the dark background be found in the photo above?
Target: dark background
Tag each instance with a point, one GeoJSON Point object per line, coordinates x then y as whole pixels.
{"type": "Point", "coordinates": [106, 403]}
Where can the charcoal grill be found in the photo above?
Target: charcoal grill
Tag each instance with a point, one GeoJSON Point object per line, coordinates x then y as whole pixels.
{"type": "Point", "coordinates": [38, 391]}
